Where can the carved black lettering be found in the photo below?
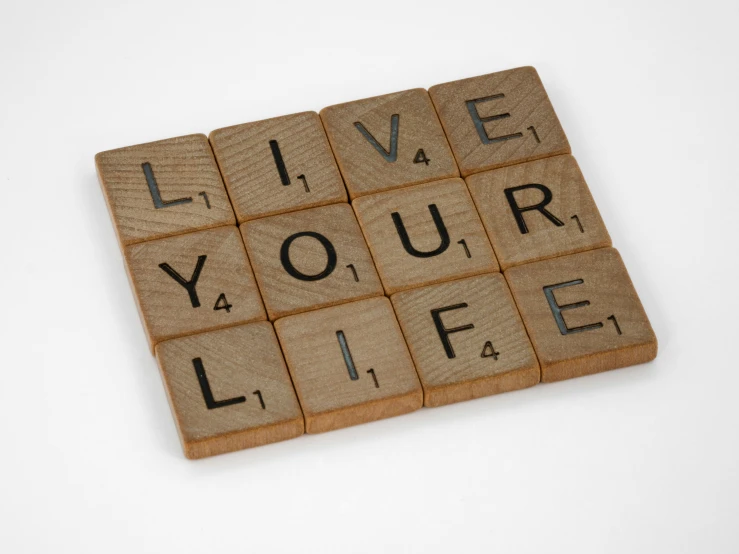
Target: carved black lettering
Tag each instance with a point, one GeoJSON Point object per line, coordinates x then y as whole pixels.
{"type": "Point", "coordinates": [389, 155]}
{"type": "Point", "coordinates": [518, 211]}
{"type": "Point", "coordinates": [188, 285]}
{"type": "Point", "coordinates": [406, 241]}
{"type": "Point", "coordinates": [480, 121]}
{"type": "Point", "coordinates": [557, 309]}
{"type": "Point", "coordinates": [210, 402]}
{"type": "Point", "coordinates": [290, 268]}
{"type": "Point", "coordinates": [444, 332]}
{"type": "Point", "coordinates": [279, 162]}
{"type": "Point", "coordinates": [346, 353]}
{"type": "Point", "coordinates": [156, 196]}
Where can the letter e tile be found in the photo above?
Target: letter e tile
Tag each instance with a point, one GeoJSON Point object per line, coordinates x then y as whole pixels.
{"type": "Point", "coordinates": [229, 389]}
{"type": "Point", "coordinates": [466, 338]}
{"type": "Point", "coordinates": [582, 314]}
{"type": "Point", "coordinates": [349, 364]}
{"type": "Point", "coordinates": [499, 119]}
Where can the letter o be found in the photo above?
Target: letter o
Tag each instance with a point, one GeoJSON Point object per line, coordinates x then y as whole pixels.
{"type": "Point", "coordinates": [290, 268]}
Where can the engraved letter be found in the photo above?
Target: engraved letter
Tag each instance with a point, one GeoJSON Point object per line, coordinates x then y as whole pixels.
{"type": "Point", "coordinates": [290, 268]}
{"type": "Point", "coordinates": [480, 121]}
{"type": "Point", "coordinates": [519, 210]}
{"type": "Point", "coordinates": [440, 227]}
{"type": "Point", "coordinates": [557, 309]}
{"type": "Point", "coordinates": [392, 154]}
{"type": "Point", "coordinates": [156, 196]}
{"type": "Point", "coordinates": [444, 332]}
{"type": "Point", "coordinates": [189, 285]}
{"type": "Point", "coordinates": [210, 402]}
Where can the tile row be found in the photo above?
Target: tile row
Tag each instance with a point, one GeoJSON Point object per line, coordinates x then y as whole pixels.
{"type": "Point", "coordinates": [370, 359]}
{"type": "Point", "coordinates": [381, 244]}
{"type": "Point", "coordinates": [305, 160]}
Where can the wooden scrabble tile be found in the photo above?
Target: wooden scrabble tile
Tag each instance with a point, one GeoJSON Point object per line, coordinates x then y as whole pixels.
{"type": "Point", "coordinates": [498, 119]}
{"type": "Point", "coordinates": [538, 210]}
{"type": "Point", "coordinates": [425, 234]}
{"type": "Point", "coordinates": [163, 188]}
{"type": "Point", "coordinates": [278, 165]}
{"type": "Point", "coordinates": [349, 364]}
{"type": "Point", "coordinates": [582, 314]}
{"type": "Point", "coordinates": [388, 142]}
{"type": "Point", "coordinates": [310, 259]}
{"type": "Point", "coordinates": [229, 390]}
{"type": "Point", "coordinates": [466, 338]}
{"type": "Point", "coordinates": [193, 283]}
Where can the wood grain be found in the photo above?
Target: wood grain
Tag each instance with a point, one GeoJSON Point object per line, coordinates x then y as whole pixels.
{"type": "Point", "coordinates": [428, 258]}
{"type": "Point", "coordinates": [248, 156]}
{"type": "Point", "coordinates": [329, 396]}
{"type": "Point", "coordinates": [327, 279]}
{"type": "Point", "coordinates": [166, 306]}
{"type": "Point", "coordinates": [481, 347]}
{"type": "Point", "coordinates": [369, 167]}
{"type": "Point", "coordinates": [569, 222]}
{"type": "Point", "coordinates": [191, 194]}
{"type": "Point", "coordinates": [243, 397]}
{"type": "Point", "coordinates": [522, 125]}
{"type": "Point", "coordinates": [607, 331]}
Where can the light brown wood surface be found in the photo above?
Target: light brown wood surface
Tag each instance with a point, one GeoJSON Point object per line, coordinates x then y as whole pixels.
{"type": "Point", "coordinates": [519, 109]}
{"type": "Point", "coordinates": [365, 168]}
{"type": "Point", "coordinates": [250, 167]}
{"type": "Point", "coordinates": [189, 187]}
{"type": "Point", "coordinates": [400, 269]}
{"type": "Point", "coordinates": [167, 308]}
{"type": "Point", "coordinates": [243, 378]}
{"type": "Point", "coordinates": [285, 294]}
{"type": "Point", "coordinates": [568, 223]}
{"type": "Point", "coordinates": [610, 331]}
{"type": "Point", "coordinates": [456, 362]}
{"type": "Point", "coordinates": [386, 383]}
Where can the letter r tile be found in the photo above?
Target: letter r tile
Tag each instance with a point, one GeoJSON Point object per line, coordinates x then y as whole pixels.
{"type": "Point", "coordinates": [229, 389]}
{"type": "Point", "coordinates": [466, 338]}
{"type": "Point", "coordinates": [388, 141]}
{"type": "Point", "coordinates": [278, 165]}
{"type": "Point", "coordinates": [582, 314]}
{"type": "Point", "coordinates": [163, 188]}
{"type": "Point", "coordinates": [538, 210]}
{"type": "Point", "coordinates": [349, 364]}
{"type": "Point", "coordinates": [425, 234]}
{"type": "Point", "coordinates": [499, 119]}
{"type": "Point", "coordinates": [310, 259]}
{"type": "Point", "coordinates": [193, 283]}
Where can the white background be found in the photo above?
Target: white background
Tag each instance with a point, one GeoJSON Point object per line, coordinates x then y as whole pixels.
{"type": "Point", "coordinates": [644, 459]}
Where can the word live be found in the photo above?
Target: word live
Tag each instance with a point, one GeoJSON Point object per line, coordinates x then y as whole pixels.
{"type": "Point", "coordinates": [315, 271]}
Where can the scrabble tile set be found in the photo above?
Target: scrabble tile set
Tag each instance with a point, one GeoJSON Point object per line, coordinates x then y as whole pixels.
{"type": "Point", "coordinates": [468, 259]}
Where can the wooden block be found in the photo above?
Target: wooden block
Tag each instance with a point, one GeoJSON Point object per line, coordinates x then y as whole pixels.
{"type": "Point", "coordinates": [349, 364]}
{"type": "Point", "coordinates": [388, 142]}
{"type": "Point", "coordinates": [310, 259]}
{"type": "Point", "coordinates": [278, 165]}
{"type": "Point", "coordinates": [582, 314]}
{"type": "Point", "coordinates": [538, 210]}
{"type": "Point", "coordinates": [425, 234]}
{"type": "Point", "coordinates": [467, 339]}
{"type": "Point", "coordinates": [193, 283]}
{"type": "Point", "coordinates": [163, 188]}
{"type": "Point", "coordinates": [499, 119]}
{"type": "Point", "coordinates": [229, 390]}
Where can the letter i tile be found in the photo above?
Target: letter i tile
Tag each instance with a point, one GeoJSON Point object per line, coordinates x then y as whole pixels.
{"type": "Point", "coordinates": [350, 364]}
{"type": "Point", "coordinates": [229, 389]}
{"type": "Point", "coordinates": [193, 283]}
{"type": "Point", "coordinates": [582, 314]}
{"type": "Point", "coordinates": [425, 234]}
{"type": "Point", "coordinates": [466, 338]}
